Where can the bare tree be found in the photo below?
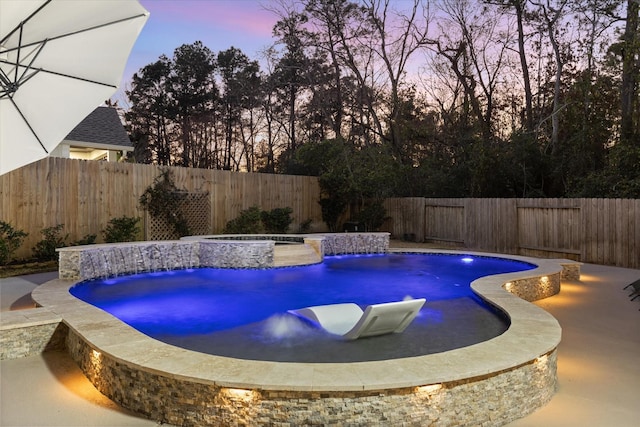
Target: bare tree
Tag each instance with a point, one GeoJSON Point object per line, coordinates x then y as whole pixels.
{"type": "Point", "coordinates": [333, 17]}
{"type": "Point", "coordinates": [551, 13]}
{"type": "Point", "coordinates": [630, 72]}
{"type": "Point", "coordinates": [475, 47]}
{"type": "Point", "coordinates": [518, 7]}
{"type": "Point", "coordinates": [340, 29]}
{"type": "Point", "coordinates": [400, 35]}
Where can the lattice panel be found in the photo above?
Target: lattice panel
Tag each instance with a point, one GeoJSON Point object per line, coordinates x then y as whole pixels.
{"type": "Point", "coordinates": [196, 209]}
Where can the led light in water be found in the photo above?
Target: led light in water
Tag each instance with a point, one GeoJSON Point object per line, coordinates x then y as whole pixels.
{"type": "Point", "coordinates": [467, 260]}
{"type": "Point", "coordinates": [284, 326]}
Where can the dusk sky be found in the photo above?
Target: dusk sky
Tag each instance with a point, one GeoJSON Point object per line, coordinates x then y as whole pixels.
{"type": "Point", "coordinates": [219, 24]}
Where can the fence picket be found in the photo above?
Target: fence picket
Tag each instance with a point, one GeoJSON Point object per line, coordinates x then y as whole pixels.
{"type": "Point", "coordinates": [605, 231]}
{"type": "Point", "coordinates": [85, 195]}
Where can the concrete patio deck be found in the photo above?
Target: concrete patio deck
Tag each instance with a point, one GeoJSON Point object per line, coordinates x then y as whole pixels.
{"type": "Point", "coordinates": [598, 369]}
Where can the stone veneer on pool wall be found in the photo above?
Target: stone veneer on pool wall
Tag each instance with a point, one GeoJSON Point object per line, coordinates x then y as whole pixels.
{"type": "Point", "coordinates": [490, 400]}
{"type": "Point", "coordinates": [30, 332]}
{"type": "Point", "coordinates": [490, 383]}
{"type": "Point", "coordinates": [220, 251]}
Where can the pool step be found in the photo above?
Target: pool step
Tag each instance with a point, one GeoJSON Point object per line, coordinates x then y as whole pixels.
{"type": "Point", "coordinates": [288, 255]}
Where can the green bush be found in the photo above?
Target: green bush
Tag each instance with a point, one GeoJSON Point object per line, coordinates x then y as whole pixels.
{"type": "Point", "coordinates": [332, 209]}
{"type": "Point", "coordinates": [372, 216]}
{"type": "Point", "coordinates": [88, 239]}
{"type": "Point", "coordinates": [122, 229]}
{"type": "Point", "coordinates": [277, 220]}
{"type": "Point", "coordinates": [164, 200]}
{"type": "Point", "coordinates": [248, 222]}
{"type": "Point", "coordinates": [305, 226]}
{"type": "Point", "coordinates": [10, 240]}
{"type": "Point", "coordinates": [45, 249]}
{"type": "Point", "coordinates": [255, 221]}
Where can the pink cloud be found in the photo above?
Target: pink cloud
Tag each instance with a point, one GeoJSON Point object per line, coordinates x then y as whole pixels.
{"type": "Point", "coordinates": [219, 24]}
{"type": "Point", "coordinates": [246, 16]}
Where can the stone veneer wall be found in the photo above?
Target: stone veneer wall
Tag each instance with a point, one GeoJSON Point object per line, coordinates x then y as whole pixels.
{"type": "Point", "coordinates": [355, 243]}
{"type": "Point", "coordinates": [535, 288]}
{"type": "Point", "coordinates": [224, 254]}
{"type": "Point", "coordinates": [109, 260]}
{"type": "Point", "coordinates": [21, 339]}
{"type": "Point", "coordinates": [570, 269]}
{"type": "Point", "coordinates": [494, 399]}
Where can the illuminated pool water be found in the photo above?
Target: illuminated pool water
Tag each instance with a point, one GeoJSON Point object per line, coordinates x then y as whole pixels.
{"type": "Point", "coordinates": [242, 313]}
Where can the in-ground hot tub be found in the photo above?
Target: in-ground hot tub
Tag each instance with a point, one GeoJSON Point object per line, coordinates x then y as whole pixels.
{"type": "Point", "coordinates": [492, 382]}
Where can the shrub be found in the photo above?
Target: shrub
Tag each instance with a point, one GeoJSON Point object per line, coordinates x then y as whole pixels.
{"type": "Point", "coordinates": [248, 222]}
{"type": "Point", "coordinates": [305, 226]}
{"type": "Point", "coordinates": [45, 249]}
{"type": "Point", "coordinates": [255, 221]}
{"type": "Point", "coordinates": [277, 220]}
{"type": "Point", "coordinates": [122, 229]}
{"type": "Point", "coordinates": [332, 209]}
{"type": "Point", "coordinates": [10, 240]}
{"type": "Point", "coordinates": [372, 216]}
{"type": "Point", "coordinates": [88, 239]}
{"type": "Point", "coordinates": [163, 200]}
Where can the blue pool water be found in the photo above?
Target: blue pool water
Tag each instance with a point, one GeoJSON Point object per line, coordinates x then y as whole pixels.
{"type": "Point", "coordinates": [243, 313]}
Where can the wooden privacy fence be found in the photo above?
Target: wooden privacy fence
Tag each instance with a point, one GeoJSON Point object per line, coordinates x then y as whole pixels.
{"type": "Point", "coordinates": [601, 231]}
{"type": "Point", "coordinates": [85, 195]}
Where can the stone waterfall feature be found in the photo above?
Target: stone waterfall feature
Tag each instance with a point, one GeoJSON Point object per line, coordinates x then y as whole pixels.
{"type": "Point", "coordinates": [117, 259]}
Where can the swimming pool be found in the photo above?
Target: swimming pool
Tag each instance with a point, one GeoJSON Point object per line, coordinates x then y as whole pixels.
{"type": "Point", "coordinates": [492, 382]}
{"type": "Point", "coordinates": [242, 313]}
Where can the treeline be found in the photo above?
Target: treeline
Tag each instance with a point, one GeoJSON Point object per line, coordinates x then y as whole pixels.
{"type": "Point", "coordinates": [447, 98]}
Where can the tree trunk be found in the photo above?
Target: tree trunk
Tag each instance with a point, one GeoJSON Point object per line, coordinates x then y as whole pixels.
{"type": "Point", "coordinates": [630, 66]}
{"type": "Point", "coordinates": [528, 95]}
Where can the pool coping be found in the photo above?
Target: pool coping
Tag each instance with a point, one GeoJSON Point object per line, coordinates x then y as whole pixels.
{"type": "Point", "coordinates": [533, 334]}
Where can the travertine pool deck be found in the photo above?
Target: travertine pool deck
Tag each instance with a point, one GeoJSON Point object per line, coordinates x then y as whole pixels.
{"type": "Point", "coordinates": [598, 369]}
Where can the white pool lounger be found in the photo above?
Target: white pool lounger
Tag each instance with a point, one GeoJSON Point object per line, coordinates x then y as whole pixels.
{"type": "Point", "coordinates": [349, 321]}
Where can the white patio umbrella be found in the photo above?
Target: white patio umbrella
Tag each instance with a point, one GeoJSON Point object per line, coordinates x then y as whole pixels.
{"type": "Point", "coordinates": [59, 60]}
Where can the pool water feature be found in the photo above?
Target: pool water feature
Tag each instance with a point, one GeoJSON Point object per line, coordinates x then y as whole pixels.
{"type": "Point", "coordinates": [242, 313]}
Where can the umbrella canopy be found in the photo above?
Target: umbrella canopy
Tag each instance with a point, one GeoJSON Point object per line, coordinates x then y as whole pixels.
{"type": "Point", "coordinates": [59, 60]}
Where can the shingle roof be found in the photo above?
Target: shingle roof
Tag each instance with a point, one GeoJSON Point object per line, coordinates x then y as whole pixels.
{"type": "Point", "coordinates": [102, 126]}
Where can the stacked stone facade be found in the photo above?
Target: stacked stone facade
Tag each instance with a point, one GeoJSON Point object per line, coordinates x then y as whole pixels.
{"type": "Point", "coordinates": [491, 400]}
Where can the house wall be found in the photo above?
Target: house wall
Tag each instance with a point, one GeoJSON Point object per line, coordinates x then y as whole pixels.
{"type": "Point", "coordinates": [66, 151]}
